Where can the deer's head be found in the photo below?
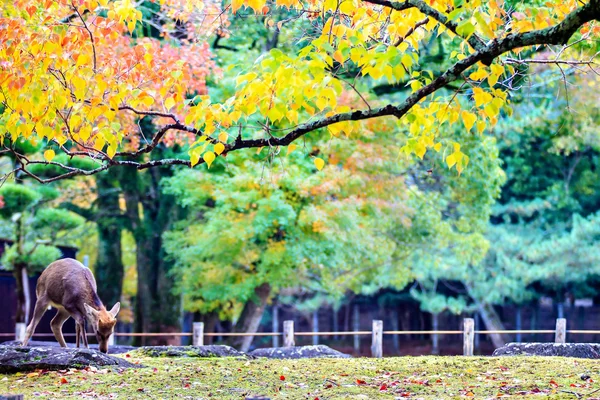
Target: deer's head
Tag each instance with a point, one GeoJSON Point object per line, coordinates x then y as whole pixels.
{"type": "Point", "coordinates": [103, 322]}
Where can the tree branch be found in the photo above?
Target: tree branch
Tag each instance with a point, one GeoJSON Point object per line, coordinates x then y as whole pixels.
{"type": "Point", "coordinates": [555, 35]}
{"type": "Point", "coordinates": [474, 41]}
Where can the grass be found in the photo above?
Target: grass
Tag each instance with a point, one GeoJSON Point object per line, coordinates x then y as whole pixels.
{"type": "Point", "coordinates": [364, 378]}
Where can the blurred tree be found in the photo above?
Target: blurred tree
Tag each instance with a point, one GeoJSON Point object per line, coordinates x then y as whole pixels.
{"type": "Point", "coordinates": [257, 225]}
{"type": "Point", "coordinates": [37, 230]}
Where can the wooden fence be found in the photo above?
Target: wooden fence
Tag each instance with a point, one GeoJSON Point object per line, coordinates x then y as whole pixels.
{"type": "Point", "coordinates": [376, 333]}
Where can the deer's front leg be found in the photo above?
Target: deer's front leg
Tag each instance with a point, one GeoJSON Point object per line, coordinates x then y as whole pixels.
{"type": "Point", "coordinates": [84, 335]}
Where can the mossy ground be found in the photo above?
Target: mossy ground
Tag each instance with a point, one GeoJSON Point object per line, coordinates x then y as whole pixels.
{"type": "Point", "coordinates": [363, 378]}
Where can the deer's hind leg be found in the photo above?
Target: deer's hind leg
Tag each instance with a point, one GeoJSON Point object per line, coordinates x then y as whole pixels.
{"type": "Point", "coordinates": [57, 322]}
{"type": "Point", "coordinates": [41, 305]}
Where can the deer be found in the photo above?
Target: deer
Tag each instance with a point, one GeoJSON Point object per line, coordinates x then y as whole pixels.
{"type": "Point", "coordinates": [70, 287]}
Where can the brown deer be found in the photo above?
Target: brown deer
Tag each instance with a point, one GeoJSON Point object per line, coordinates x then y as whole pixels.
{"type": "Point", "coordinates": [70, 287]}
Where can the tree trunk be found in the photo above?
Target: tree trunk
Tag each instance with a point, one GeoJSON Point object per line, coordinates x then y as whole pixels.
{"type": "Point", "coordinates": [21, 278]}
{"type": "Point", "coordinates": [23, 294]}
{"type": "Point", "coordinates": [315, 327]}
{"type": "Point", "coordinates": [275, 325]}
{"type": "Point", "coordinates": [251, 315]}
{"type": "Point", "coordinates": [158, 308]}
{"type": "Point", "coordinates": [435, 346]}
{"type": "Point", "coordinates": [518, 324]}
{"type": "Point", "coordinates": [109, 269]}
{"type": "Point", "coordinates": [492, 322]}
{"type": "Point", "coordinates": [336, 322]}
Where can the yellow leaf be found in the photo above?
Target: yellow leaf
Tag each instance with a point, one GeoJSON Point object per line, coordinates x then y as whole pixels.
{"type": "Point", "coordinates": [209, 157]}
{"type": "Point", "coordinates": [111, 151]}
{"type": "Point", "coordinates": [147, 101]}
{"type": "Point", "coordinates": [85, 132]}
{"type": "Point", "coordinates": [451, 160]}
{"type": "Point", "coordinates": [437, 147]}
{"type": "Point", "coordinates": [236, 4]}
{"type": "Point", "coordinates": [291, 148]}
{"type": "Point", "coordinates": [468, 119]}
{"type": "Point", "coordinates": [223, 137]}
{"type": "Point", "coordinates": [420, 150]}
{"type": "Point", "coordinates": [169, 103]}
{"type": "Point", "coordinates": [319, 163]}
{"type": "Point", "coordinates": [49, 155]}
{"type": "Point", "coordinates": [131, 25]}
{"type": "Point", "coordinates": [219, 148]}
{"type": "Point", "coordinates": [83, 59]}
{"type": "Point", "coordinates": [274, 114]}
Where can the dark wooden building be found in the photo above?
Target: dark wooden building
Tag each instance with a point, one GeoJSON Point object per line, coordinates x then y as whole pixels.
{"type": "Point", "coordinates": [8, 301]}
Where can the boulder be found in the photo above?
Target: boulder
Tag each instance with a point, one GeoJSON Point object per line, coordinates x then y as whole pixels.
{"type": "Point", "coordinates": [319, 351]}
{"type": "Point", "coordinates": [189, 351]}
{"type": "Point", "coordinates": [20, 359]}
{"type": "Point", "coordinates": [116, 349]}
{"type": "Point", "coordinates": [577, 350]}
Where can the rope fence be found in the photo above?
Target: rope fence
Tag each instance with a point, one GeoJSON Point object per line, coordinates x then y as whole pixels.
{"type": "Point", "coordinates": [376, 333]}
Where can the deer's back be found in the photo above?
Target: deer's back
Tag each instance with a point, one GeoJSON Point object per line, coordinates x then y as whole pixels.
{"type": "Point", "coordinates": [68, 281]}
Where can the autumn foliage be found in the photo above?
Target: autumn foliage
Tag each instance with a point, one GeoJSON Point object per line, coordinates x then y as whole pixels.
{"type": "Point", "coordinates": [78, 76]}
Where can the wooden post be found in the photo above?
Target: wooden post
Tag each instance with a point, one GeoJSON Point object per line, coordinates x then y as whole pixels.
{"type": "Point", "coordinates": [468, 336]}
{"type": "Point", "coordinates": [288, 334]}
{"type": "Point", "coordinates": [377, 339]}
{"type": "Point", "coordinates": [561, 331]}
{"type": "Point", "coordinates": [275, 326]}
{"type": "Point", "coordinates": [198, 333]}
{"type": "Point", "coordinates": [20, 329]}
{"type": "Point", "coordinates": [356, 323]}
{"type": "Point", "coordinates": [315, 326]}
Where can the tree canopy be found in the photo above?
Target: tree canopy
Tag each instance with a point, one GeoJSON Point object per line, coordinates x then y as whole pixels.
{"type": "Point", "coordinates": [76, 77]}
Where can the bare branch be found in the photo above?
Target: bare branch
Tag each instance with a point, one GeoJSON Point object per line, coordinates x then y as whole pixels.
{"type": "Point", "coordinates": [474, 41]}
{"type": "Point", "coordinates": [89, 33]}
{"type": "Point", "coordinates": [411, 31]}
{"type": "Point", "coordinates": [533, 61]}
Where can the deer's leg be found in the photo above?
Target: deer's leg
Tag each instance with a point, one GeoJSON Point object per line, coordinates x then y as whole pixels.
{"type": "Point", "coordinates": [40, 308]}
{"type": "Point", "coordinates": [84, 335]}
{"type": "Point", "coordinates": [77, 334]}
{"type": "Point", "coordinates": [79, 318]}
{"type": "Point", "coordinates": [57, 322]}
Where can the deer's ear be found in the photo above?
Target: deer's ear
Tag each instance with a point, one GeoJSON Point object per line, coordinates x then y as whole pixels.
{"type": "Point", "coordinates": [91, 311]}
{"type": "Point", "coordinates": [115, 310]}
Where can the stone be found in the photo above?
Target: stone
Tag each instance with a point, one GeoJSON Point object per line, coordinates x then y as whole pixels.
{"type": "Point", "coordinates": [577, 350]}
{"type": "Point", "coordinates": [189, 351]}
{"type": "Point", "coordinates": [25, 358]}
{"type": "Point", "coordinates": [116, 349]}
{"type": "Point", "coordinates": [319, 351]}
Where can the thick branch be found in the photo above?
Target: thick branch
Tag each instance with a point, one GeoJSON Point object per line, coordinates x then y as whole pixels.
{"type": "Point", "coordinates": [474, 41]}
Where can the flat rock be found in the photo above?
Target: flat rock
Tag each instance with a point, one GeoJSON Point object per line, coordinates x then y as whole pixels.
{"type": "Point", "coordinates": [21, 359]}
{"type": "Point", "coordinates": [577, 350]}
{"type": "Point", "coordinates": [189, 351]}
{"type": "Point", "coordinates": [116, 349]}
{"type": "Point", "coordinates": [319, 351]}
